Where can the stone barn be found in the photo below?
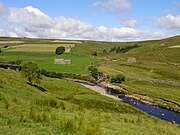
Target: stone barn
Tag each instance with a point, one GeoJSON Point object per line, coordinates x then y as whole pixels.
{"type": "Point", "coordinates": [131, 60]}
{"type": "Point", "coordinates": [62, 62]}
{"type": "Point", "coordinates": [162, 44]}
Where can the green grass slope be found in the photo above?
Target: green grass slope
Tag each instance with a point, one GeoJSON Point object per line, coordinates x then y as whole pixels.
{"type": "Point", "coordinates": [46, 61]}
{"type": "Point", "coordinates": [155, 72]}
{"type": "Point", "coordinates": [68, 108]}
{"type": "Point", "coordinates": [42, 52]}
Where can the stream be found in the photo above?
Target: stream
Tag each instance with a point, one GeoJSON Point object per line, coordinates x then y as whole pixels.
{"type": "Point", "coordinates": [153, 110]}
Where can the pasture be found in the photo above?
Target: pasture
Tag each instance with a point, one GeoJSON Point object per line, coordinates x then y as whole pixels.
{"type": "Point", "coordinates": [46, 61]}
{"type": "Point", "coordinates": [154, 62]}
{"type": "Point", "coordinates": [68, 108]}
{"type": "Point", "coordinates": [50, 48]}
{"type": "Point", "coordinates": [42, 52]}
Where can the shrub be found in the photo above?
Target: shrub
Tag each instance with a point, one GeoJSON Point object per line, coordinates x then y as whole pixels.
{"type": "Point", "coordinates": [105, 51]}
{"type": "Point", "coordinates": [93, 72]}
{"type": "Point", "coordinates": [51, 74]}
{"type": "Point", "coordinates": [94, 53]}
{"type": "Point", "coordinates": [60, 50]}
{"type": "Point", "coordinates": [66, 75]}
{"type": "Point", "coordinates": [118, 78]}
{"type": "Point", "coordinates": [31, 72]}
{"type": "Point", "coordinates": [17, 62]}
{"type": "Point", "coordinates": [125, 49]}
{"type": "Point", "coordinates": [113, 49]}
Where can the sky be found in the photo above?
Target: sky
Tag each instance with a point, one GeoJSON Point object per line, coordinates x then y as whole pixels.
{"type": "Point", "coordinates": [103, 20]}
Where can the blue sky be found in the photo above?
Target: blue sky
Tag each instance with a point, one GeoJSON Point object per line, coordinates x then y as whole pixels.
{"type": "Point", "coordinates": [91, 19]}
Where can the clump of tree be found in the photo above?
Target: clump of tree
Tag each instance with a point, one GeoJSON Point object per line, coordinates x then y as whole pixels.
{"type": "Point", "coordinates": [60, 50]}
{"type": "Point", "coordinates": [31, 72]}
{"type": "Point", "coordinates": [66, 75]}
{"type": "Point", "coordinates": [93, 72]}
{"type": "Point", "coordinates": [118, 78]}
{"type": "Point", "coordinates": [0, 50]}
{"type": "Point", "coordinates": [113, 49]}
{"type": "Point", "coordinates": [123, 49]}
{"type": "Point", "coordinates": [51, 74]}
{"type": "Point", "coordinates": [105, 51]}
{"type": "Point", "coordinates": [94, 53]}
{"type": "Point", "coordinates": [16, 62]}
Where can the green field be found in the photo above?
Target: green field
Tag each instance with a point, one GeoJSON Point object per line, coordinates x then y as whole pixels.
{"type": "Point", "coordinates": [69, 108]}
{"type": "Point", "coordinates": [39, 47]}
{"type": "Point", "coordinates": [156, 60]}
{"type": "Point", "coordinates": [42, 52]}
{"type": "Point", "coordinates": [46, 61]}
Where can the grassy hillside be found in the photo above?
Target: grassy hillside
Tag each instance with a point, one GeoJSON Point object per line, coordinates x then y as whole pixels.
{"type": "Point", "coordinates": [155, 74]}
{"type": "Point", "coordinates": [39, 47]}
{"type": "Point", "coordinates": [46, 61]}
{"type": "Point", "coordinates": [42, 52]}
{"type": "Point", "coordinates": [68, 108]}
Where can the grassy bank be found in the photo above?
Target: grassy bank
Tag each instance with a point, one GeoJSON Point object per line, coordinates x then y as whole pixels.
{"type": "Point", "coordinates": [155, 60]}
{"type": "Point", "coordinates": [68, 108]}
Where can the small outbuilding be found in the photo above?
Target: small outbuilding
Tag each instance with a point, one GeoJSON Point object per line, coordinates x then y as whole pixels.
{"type": "Point", "coordinates": [62, 62]}
{"type": "Point", "coordinates": [131, 60]}
{"type": "Point", "coordinates": [162, 44]}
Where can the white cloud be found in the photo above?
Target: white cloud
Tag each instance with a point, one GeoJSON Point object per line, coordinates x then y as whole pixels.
{"type": "Point", "coordinates": [130, 23]}
{"type": "Point", "coordinates": [169, 22]}
{"type": "Point", "coordinates": [6, 31]}
{"type": "Point", "coordinates": [31, 22]}
{"type": "Point", "coordinates": [115, 6]}
{"type": "Point", "coordinates": [29, 17]}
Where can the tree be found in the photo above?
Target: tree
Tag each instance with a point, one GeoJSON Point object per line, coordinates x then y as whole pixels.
{"type": "Point", "coordinates": [105, 51]}
{"type": "Point", "coordinates": [31, 72]}
{"type": "Point", "coordinates": [93, 72]}
{"type": "Point", "coordinates": [94, 53]}
{"type": "Point", "coordinates": [118, 78]}
{"type": "Point", "coordinates": [113, 49]}
{"type": "Point", "coordinates": [0, 50]}
{"type": "Point", "coordinates": [16, 62]}
{"type": "Point", "coordinates": [60, 50]}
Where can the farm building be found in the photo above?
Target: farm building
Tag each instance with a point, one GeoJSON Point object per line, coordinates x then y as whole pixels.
{"type": "Point", "coordinates": [62, 61]}
{"type": "Point", "coordinates": [131, 60]}
{"type": "Point", "coordinates": [162, 44]}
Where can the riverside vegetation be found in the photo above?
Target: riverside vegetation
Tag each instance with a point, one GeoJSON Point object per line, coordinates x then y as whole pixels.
{"type": "Point", "coordinates": [65, 107]}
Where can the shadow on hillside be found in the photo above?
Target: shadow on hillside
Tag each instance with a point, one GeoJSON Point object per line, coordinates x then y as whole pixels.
{"type": "Point", "coordinates": [38, 87]}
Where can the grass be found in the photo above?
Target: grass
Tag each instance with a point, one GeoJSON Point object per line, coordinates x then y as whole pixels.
{"type": "Point", "coordinates": [46, 61]}
{"type": "Point", "coordinates": [39, 47]}
{"type": "Point", "coordinates": [154, 61]}
{"type": "Point", "coordinates": [68, 108]}
{"type": "Point", "coordinates": [41, 51]}
{"type": "Point", "coordinates": [156, 91]}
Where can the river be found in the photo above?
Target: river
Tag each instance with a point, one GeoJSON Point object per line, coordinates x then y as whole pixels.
{"type": "Point", "coordinates": [153, 110]}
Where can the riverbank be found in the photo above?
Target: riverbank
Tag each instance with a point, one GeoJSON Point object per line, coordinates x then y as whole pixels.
{"type": "Point", "coordinates": [93, 87]}
{"type": "Point", "coordinates": [143, 105]}
{"type": "Point", "coordinates": [163, 103]}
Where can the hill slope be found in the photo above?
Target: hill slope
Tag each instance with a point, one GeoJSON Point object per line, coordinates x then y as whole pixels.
{"type": "Point", "coordinates": [154, 74]}
{"type": "Point", "coordinates": [68, 108]}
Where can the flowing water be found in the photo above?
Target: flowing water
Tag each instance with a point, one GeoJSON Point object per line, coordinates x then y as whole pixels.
{"type": "Point", "coordinates": [156, 111]}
